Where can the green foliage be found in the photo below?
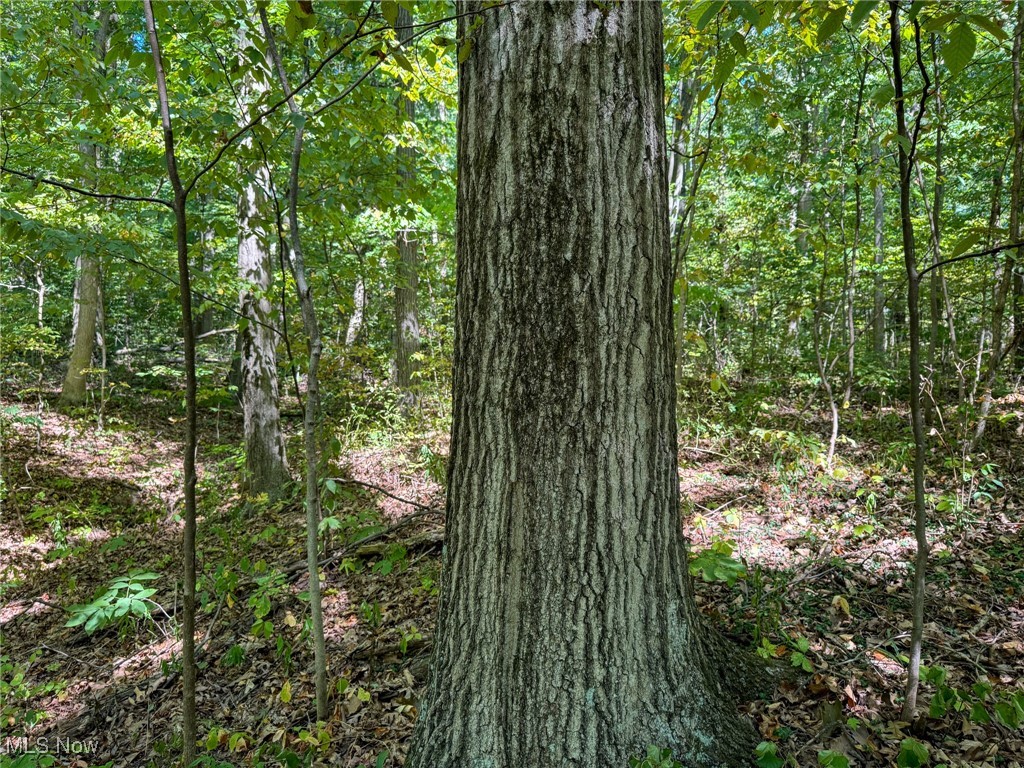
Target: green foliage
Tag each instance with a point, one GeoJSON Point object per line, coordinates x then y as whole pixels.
{"type": "Point", "coordinates": [831, 759]}
{"type": "Point", "coordinates": [269, 586]}
{"type": "Point", "coordinates": [795, 455]}
{"type": "Point", "coordinates": [16, 691]}
{"type": "Point", "coordinates": [123, 602]}
{"type": "Point", "coordinates": [716, 563]}
{"type": "Point", "coordinates": [28, 760]}
{"type": "Point", "coordinates": [13, 414]}
{"type": "Point", "coordinates": [913, 754]}
{"type": "Point", "coordinates": [959, 48]}
{"type": "Point", "coordinates": [980, 702]}
{"type": "Point", "coordinates": [395, 557]}
{"type": "Point", "coordinates": [371, 613]}
{"type": "Point", "coordinates": [799, 656]}
{"type": "Point", "coordinates": [768, 755]}
{"type": "Point", "coordinates": [408, 635]}
{"type": "Point", "coordinates": [434, 464]}
{"type": "Point", "coordinates": [656, 757]}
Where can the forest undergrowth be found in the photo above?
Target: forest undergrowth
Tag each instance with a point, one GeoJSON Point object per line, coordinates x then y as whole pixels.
{"type": "Point", "coordinates": [804, 563]}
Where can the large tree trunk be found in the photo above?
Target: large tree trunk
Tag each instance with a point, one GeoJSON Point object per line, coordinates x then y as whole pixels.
{"type": "Point", "coordinates": [407, 327]}
{"type": "Point", "coordinates": [567, 633]}
{"type": "Point", "coordinates": [265, 460]}
{"type": "Point", "coordinates": [87, 270]}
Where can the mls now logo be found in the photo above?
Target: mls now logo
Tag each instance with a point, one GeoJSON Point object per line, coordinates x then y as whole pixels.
{"type": "Point", "coordinates": [53, 745]}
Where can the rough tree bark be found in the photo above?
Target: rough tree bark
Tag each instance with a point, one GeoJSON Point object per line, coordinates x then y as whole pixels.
{"type": "Point", "coordinates": [265, 459]}
{"type": "Point", "coordinates": [87, 268]}
{"type": "Point", "coordinates": [407, 326]}
{"type": "Point", "coordinates": [567, 634]}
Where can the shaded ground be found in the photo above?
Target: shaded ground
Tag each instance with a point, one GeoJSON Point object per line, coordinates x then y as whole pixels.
{"type": "Point", "coordinates": [817, 578]}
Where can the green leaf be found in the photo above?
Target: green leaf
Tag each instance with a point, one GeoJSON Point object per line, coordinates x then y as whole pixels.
{"type": "Point", "coordinates": [710, 12]}
{"type": "Point", "coordinates": [964, 244]}
{"type": "Point", "coordinates": [990, 25]}
{"type": "Point", "coordinates": [402, 61]}
{"type": "Point", "coordinates": [292, 27]}
{"type": "Point", "coordinates": [979, 714]}
{"type": "Point", "coordinates": [739, 43]}
{"type": "Point", "coordinates": [747, 10]}
{"type": "Point", "coordinates": [1008, 714]}
{"type": "Point", "coordinates": [883, 95]}
{"type": "Point", "coordinates": [913, 754]}
{"type": "Point", "coordinates": [723, 68]}
{"type": "Point", "coordinates": [465, 49]}
{"type": "Point", "coordinates": [832, 759]}
{"type": "Point", "coordinates": [79, 615]}
{"type": "Point", "coordinates": [212, 739]}
{"type": "Point", "coordinates": [959, 48]}
{"type": "Point", "coordinates": [389, 10]}
{"type": "Point", "coordinates": [831, 24]}
{"type": "Point", "coordinates": [768, 755]}
{"type": "Point", "coordinates": [861, 9]}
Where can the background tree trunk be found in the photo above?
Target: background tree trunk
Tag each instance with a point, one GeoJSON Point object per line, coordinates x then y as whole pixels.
{"type": "Point", "coordinates": [265, 459]}
{"type": "Point", "coordinates": [906, 152]}
{"type": "Point", "coordinates": [311, 417]}
{"type": "Point", "coordinates": [567, 634]}
{"type": "Point", "coordinates": [1004, 270]}
{"type": "Point", "coordinates": [87, 269]}
{"type": "Point", "coordinates": [878, 212]}
{"type": "Point", "coordinates": [407, 327]}
{"type": "Point", "coordinates": [83, 333]}
{"type": "Point", "coordinates": [355, 323]}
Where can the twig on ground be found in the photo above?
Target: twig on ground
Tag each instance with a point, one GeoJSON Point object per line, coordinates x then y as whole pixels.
{"type": "Point", "coordinates": [387, 493]}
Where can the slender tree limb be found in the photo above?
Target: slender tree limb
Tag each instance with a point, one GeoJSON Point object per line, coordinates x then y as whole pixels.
{"type": "Point", "coordinates": [86, 192]}
{"type": "Point", "coordinates": [188, 629]}
{"type": "Point", "coordinates": [372, 487]}
{"type": "Point", "coordinates": [975, 255]}
{"type": "Point", "coordinates": [264, 113]}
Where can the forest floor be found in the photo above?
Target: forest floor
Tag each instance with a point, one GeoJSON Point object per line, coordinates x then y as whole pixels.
{"type": "Point", "coordinates": [806, 564]}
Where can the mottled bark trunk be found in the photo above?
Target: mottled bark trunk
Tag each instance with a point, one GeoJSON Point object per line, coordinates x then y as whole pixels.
{"type": "Point", "coordinates": [204, 318]}
{"type": "Point", "coordinates": [87, 270]}
{"type": "Point", "coordinates": [407, 327]}
{"type": "Point", "coordinates": [355, 323]}
{"type": "Point", "coordinates": [567, 633]}
{"type": "Point", "coordinates": [878, 213]}
{"type": "Point", "coordinates": [83, 333]}
{"type": "Point", "coordinates": [265, 460]}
